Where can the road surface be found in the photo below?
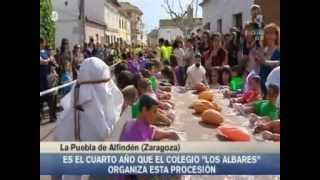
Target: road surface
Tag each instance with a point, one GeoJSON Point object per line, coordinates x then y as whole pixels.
{"type": "Point", "coordinates": [190, 128]}
{"type": "Point", "coordinates": [186, 122]}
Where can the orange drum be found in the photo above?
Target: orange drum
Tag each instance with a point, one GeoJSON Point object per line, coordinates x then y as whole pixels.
{"type": "Point", "coordinates": [234, 133]}
{"type": "Point", "coordinates": [200, 87]}
{"type": "Point", "coordinates": [206, 95]}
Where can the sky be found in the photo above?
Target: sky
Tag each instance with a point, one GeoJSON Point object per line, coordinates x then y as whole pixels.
{"type": "Point", "coordinates": [154, 11]}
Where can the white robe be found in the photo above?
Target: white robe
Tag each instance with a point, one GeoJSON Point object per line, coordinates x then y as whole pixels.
{"type": "Point", "coordinates": [102, 104]}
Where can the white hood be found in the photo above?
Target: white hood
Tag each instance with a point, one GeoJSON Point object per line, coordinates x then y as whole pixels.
{"type": "Point", "coordinates": [102, 105]}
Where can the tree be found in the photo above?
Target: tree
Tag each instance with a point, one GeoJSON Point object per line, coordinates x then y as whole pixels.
{"type": "Point", "coordinates": [184, 19]}
{"type": "Point", "coordinates": [47, 25]}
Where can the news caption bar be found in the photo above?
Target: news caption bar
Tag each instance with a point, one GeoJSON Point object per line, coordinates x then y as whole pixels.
{"type": "Point", "coordinates": [159, 158]}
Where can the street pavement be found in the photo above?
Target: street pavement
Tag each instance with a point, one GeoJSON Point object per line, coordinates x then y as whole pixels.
{"type": "Point", "coordinates": [189, 124]}
{"type": "Point", "coordinates": [189, 127]}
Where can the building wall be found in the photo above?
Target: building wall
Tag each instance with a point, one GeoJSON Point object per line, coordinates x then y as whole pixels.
{"type": "Point", "coordinates": [111, 16]}
{"type": "Point", "coordinates": [152, 38]}
{"type": "Point", "coordinates": [95, 9]}
{"type": "Point", "coordinates": [118, 25]}
{"type": "Point", "coordinates": [270, 10]}
{"type": "Point", "coordinates": [144, 39]}
{"type": "Point", "coordinates": [225, 9]}
{"type": "Point", "coordinates": [152, 41]}
{"type": "Point", "coordinates": [68, 24]}
{"type": "Point", "coordinates": [124, 29]}
{"type": "Point", "coordinates": [136, 27]}
{"type": "Point", "coordinates": [92, 30]}
{"type": "Point", "coordinates": [169, 33]}
{"type": "Point", "coordinates": [172, 32]}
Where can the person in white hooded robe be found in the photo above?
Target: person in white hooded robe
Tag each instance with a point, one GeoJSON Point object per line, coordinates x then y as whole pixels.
{"type": "Point", "coordinates": [98, 106]}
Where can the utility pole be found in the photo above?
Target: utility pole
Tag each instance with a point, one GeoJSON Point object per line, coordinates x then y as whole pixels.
{"type": "Point", "coordinates": [197, 4]}
{"type": "Point", "coordinates": [82, 22]}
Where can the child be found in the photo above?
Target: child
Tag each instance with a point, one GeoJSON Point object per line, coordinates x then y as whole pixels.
{"type": "Point", "coordinates": [251, 95]}
{"type": "Point", "coordinates": [265, 108]}
{"type": "Point", "coordinates": [150, 67]}
{"type": "Point", "coordinates": [144, 88]}
{"type": "Point", "coordinates": [169, 75]}
{"type": "Point", "coordinates": [214, 77]}
{"type": "Point", "coordinates": [130, 94]}
{"type": "Point", "coordinates": [119, 68]}
{"type": "Point", "coordinates": [66, 77]}
{"type": "Point", "coordinates": [196, 73]}
{"type": "Point", "coordinates": [124, 78]}
{"type": "Point", "coordinates": [225, 76]}
{"type": "Point", "coordinates": [150, 73]}
{"type": "Point", "coordinates": [270, 130]}
{"type": "Point", "coordinates": [141, 129]}
{"type": "Point", "coordinates": [133, 64]}
{"type": "Point", "coordinates": [236, 84]}
{"type": "Point", "coordinates": [156, 70]}
{"type": "Point", "coordinates": [142, 60]}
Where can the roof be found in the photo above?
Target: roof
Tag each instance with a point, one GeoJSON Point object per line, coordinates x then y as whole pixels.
{"type": "Point", "coordinates": [129, 7]}
{"type": "Point", "coordinates": [95, 21]}
{"type": "Point", "coordinates": [123, 12]}
{"type": "Point", "coordinates": [115, 2]}
{"type": "Point", "coordinates": [153, 33]}
{"type": "Point", "coordinates": [204, 2]}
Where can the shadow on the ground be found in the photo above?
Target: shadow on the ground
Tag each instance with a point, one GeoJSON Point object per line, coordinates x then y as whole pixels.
{"type": "Point", "coordinates": [196, 114]}
{"type": "Point", "coordinates": [45, 123]}
{"type": "Point", "coordinates": [195, 92]}
{"type": "Point", "coordinates": [221, 138]}
{"type": "Point", "coordinates": [207, 125]}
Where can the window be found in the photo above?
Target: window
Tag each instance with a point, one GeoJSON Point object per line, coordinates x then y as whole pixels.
{"type": "Point", "coordinates": [219, 25]}
{"type": "Point", "coordinates": [108, 40]}
{"type": "Point", "coordinates": [207, 26]}
{"type": "Point", "coordinates": [237, 20]}
{"type": "Point", "coordinates": [97, 37]}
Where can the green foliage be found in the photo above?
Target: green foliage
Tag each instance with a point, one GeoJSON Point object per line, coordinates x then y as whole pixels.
{"type": "Point", "coordinates": [47, 25]}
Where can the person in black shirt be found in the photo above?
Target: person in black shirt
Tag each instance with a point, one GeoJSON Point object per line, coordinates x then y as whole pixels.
{"type": "Point", "coordinates": [90, 49]}
{"type": "Point", "coordinates": [231, 47]}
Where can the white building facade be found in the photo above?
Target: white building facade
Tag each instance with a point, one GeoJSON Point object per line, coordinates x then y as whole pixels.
{"type": "Point", "coordinates": [124, 27]}
{"type": "Point", "coordinates": [152, 38]}
{"type": "Point", "coordinates": [111, 17]}
{"type": "Point", "coordinates": [169, 31]}
{"type": "Point", "coordinates": [68, 24]}
{"type": "Point", "coordinates": [117, 21]}
{"type": "Point", "coordinates": [136, 24]}
{"type": "Point", "coordinates": [221, 15]}
{"type": "Point", "coordinates": [95, 22]}
{"type": "Point", "coordinates": [105, 21]}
